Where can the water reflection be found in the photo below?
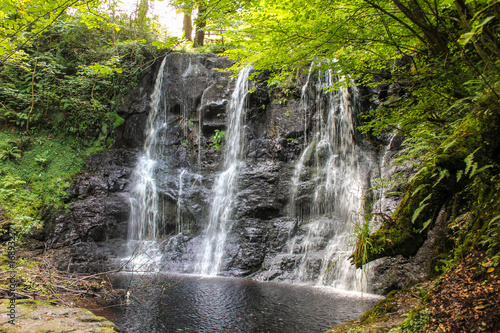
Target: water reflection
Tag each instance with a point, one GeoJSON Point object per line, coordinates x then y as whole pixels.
{"type": "Point", "coordinates": [186, 303]}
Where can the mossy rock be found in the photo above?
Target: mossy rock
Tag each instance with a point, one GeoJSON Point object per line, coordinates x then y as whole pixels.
{"type": "Point", "coordinates": [387, 314]}
{"type": "Point", "coordinates": [436, 184]}
{"type": "Point", "coordinates": [36, 316]}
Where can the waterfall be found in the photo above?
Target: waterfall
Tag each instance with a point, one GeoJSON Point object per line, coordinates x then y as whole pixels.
{"type": "Point", "coordinates": [328, 171]}
{"type": "Point", "coordinates": [304, 102]}
{"type": "Point", "coordinates": [180, 202]}
{"type": "Point", "coordinates": [307, 241]}
{"type": "Point", "coordinates": [143, 222]}
{"type": "Point", "coordinates": [225, 187]}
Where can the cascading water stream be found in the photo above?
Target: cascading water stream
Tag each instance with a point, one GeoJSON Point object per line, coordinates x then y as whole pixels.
{"type": "Point", "coordinates": [225, 187]}
{"type": "Point", "coordinates": [304, 101]}
{"type": "Point", "coordinates": [327, 187]}
{"type": "Point", "coordinates": [180, 202]}
{"type": "Point", "coordinates": [143, 222]}
{"type": "Point", "coordinates": [329, 165]}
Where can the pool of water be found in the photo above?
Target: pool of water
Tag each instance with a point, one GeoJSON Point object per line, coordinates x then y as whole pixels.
{"type": "Point", "coordinates": [187, 303]}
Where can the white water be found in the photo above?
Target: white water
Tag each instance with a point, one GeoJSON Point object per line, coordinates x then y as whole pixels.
{"type": "Point", "coordinates": [226, 185]}
{"type": "Point", "coordinates": [329, 166]}
{"type": "Point", "coordinates": [143, 221]}
{"type": "Point", "coordinates": [180, 227]}
{"type": "Point", "coordinates": [143, 230]}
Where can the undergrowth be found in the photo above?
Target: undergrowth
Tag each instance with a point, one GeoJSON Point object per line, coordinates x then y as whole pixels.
{"type": "Point", "coordinates": [38, 176]}
{"type": "Point", "coordinates": [38, 278]}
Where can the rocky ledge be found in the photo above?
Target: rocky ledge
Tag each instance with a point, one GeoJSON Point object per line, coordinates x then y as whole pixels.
{"type": "Point", "coordinates": [36, 316]}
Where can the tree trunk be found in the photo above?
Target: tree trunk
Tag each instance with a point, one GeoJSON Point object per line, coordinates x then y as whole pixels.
{"type": "Point", "coordinates": [437, 42]}
{"type": "Point", "coordinates": [187, 26]}
{"type": "Point", "coordinates": [201, 23]}
{"type": "Point", "coordinates": [142, 11]}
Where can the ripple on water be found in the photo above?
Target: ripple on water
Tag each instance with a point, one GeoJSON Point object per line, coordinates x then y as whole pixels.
{"type": "Point", "coordinates": [188, 303]}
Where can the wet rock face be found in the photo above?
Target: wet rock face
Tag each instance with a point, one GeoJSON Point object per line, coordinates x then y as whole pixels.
{"type": "Point", "coordinates": [100, 205]}
{"type": "Point", "coordinates": [392, 273]}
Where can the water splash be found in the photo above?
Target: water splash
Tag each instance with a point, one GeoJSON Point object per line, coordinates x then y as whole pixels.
{"type": "Point", "coordinates": [226, 185]}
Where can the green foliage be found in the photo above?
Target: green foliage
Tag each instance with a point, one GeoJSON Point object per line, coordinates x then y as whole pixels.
{"type": "Point", "coordinates": [214, 17]}
{"type": "Point", "coordinates": [24, 20]}
{"type": "Point", "coordinates": [217, 139]}
{"type": "Point", "coordinates": [36, 180]}
{"type": "Point", "coordinates": [61, 72]}
{"type": "Point", "coordinates": [72, 80]}
{"type": "Point", "coordinates": [380, 310]}
{"type": "Point", "coordinates": [361, 234]}
{"type": "Point", "coordinates": [471, 154]}
{"type": "Point", "coordinates": [415, 323]}
{"type": "Point", "coordinates": [8, 150]}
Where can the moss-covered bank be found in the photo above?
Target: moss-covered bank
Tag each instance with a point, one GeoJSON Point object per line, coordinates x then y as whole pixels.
{"type": "Point", "coordinates": [34, 316]}
{"type": "Point", "coordinates": [460, 176]}
{"type": "Point", "coordinates": [465, 299]}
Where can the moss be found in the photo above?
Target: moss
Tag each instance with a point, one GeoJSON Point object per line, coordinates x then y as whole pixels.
{"type": "Point", "coordinates": [417, 319]}
{"type": "Point", "coordinates": [385, 315]}
{"type": "Point", "coordinates": [37, 179]}
{"type": "Point", "coordinates": [402, 234]}
{"type": "Point", "coordinates": [437, 183]}
{"type": "Point", "coordinates": [380, 310]}
{"type": "Point", "coordinates": [37, 316]}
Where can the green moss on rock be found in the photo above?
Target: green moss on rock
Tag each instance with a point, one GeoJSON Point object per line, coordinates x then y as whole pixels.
{"type": "Point", "coordinates": [36, 316]}
{"type": "Point", "coordinates": [445, 175]}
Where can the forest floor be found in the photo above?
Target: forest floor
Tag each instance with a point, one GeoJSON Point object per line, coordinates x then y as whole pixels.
{"type": "Point", "coordinates": [47, 299]}
{"type": "Point", "coordinates": [465, 299]}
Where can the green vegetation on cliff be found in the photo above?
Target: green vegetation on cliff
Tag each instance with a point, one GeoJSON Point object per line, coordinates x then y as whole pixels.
{"type": "Point", "coordinates": [59, 90]}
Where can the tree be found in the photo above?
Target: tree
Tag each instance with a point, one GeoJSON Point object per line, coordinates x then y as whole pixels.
{"type": "Point", "coordinates": [187, 26]}
{"type": "Point", "coordinates": [364, 35]}
{"type": "Point", "coordinates": [142, 11]}
{"type": "Point", "coordinates": [210, 14]}
{"type": "Point", "coordinates": [201, 23]}
{"type": "Point", "coordinates": [34, 17]}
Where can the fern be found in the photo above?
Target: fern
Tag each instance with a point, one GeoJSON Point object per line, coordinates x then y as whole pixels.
{"type": "Point", "coordinates": [420, 187]}
{"type": "Point", "coordinates": [472, 166]}
{"type": "Point", "coordinates": [442, 173]}
{"type": "Point", "coordinates": [420, 208]}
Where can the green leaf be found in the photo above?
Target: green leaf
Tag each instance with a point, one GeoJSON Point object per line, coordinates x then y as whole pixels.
{"type": "Point", "coordinates": [476, 171]}
{"type": "Point", "coordinates": [420, 208]}
{"type": "Point", "coordinates": [465, 38]}
{"type": "Point", "coordinates": [417, 212]}
{"type": "Point", "coordinates": [468, 162]}
{"type": "Point", "coordinates": [420, 187]}
{"type": "Point", "coordinates": [442, 173]}
{"type": "Point", "coordinates": [425, 225]}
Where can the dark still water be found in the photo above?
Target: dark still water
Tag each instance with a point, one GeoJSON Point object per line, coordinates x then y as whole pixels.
{"type": "Point", "coordinates": [184, 303]}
